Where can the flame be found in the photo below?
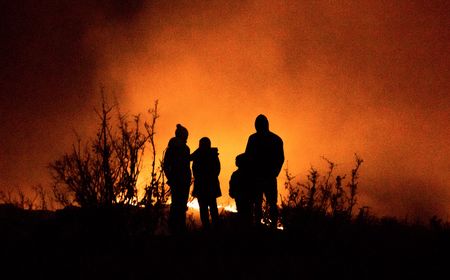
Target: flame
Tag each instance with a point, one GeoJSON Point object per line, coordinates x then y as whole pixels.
{"type": "Point", "coordinates": [193, 204]}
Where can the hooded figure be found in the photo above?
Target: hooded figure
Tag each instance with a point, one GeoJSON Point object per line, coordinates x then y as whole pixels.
{"type": "Point", "coordinates": [177, 169]}
{"type": "Point", "coordinates": [266, 156]}
{"type": "Point", "coordinates": [206, 169]}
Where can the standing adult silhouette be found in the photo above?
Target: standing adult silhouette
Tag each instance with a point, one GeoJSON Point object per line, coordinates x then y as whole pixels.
{"type": "Point", "coordinates": [266, 156]}
{"type": "Point", "coordinates": [206, 170]}
{"type": "Point", "coordinates": [177, 169]}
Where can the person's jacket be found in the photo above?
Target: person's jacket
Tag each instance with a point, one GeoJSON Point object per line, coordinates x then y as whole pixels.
{"type": "Point", "coordinates": [265, 153]}
{"type": "Point", "coordinates": [176, 164]}
{"type": "Point", "coordinates": [206, 170]}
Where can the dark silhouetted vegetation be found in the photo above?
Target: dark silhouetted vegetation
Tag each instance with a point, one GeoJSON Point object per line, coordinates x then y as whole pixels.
{"type": "Point", "coordinates": [104, 170]}
{"type": "Point", "coordinates": [37, 198]}
{"type": "Point", "coordinates": [322, 196]}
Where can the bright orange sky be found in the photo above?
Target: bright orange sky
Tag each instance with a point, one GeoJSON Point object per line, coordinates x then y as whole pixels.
{"type": "Point", "coordinates": [333, 79]}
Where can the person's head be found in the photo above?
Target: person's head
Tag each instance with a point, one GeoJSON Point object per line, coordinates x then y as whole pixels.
{"type": "Point", "coordinates": [240, 160]}
{"type": "Point", "coordinates": [261, 123]}
{"type": "Point", "coordinates": [181, 132]}
{"type": "Point", "coordinates": [204, 143]}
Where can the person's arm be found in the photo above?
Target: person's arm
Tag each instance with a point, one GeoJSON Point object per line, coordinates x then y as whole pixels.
{"type": "Point", "coordinates": [167, 163]}
{"type": "Point", "coordinates": [232, 189]}
{"type": "Point", "coordinates": [280, 157]}
{"type": "Point", "coordinates": [249, 147]}
{"type": "Point", "coordinates": [218, 166]}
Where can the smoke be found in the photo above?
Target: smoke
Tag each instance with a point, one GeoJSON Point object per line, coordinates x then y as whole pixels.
{"type": "Point", "coordinates": [333, 79]}
{"type": "Point", "coordinates": [48, 81]}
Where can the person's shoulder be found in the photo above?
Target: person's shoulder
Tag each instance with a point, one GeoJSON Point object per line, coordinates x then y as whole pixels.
{"type": "Point", "coordinates": [236, 175]}
{"type": "Point", "coordinates": [252, 137]}
{"type": "Point", "coordinates": [172, 142]}
{"type": "Point", "coordinates": [177, 143]}
{"type": "Point", "coordinates": [195, 154]}
{"type": "Point", "coordinates": [215, 152]}
{"type": "Point", "coordinates": [276, 137]}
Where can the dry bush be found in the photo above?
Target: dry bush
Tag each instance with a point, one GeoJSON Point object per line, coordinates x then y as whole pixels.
{"type": "Point", "coordinates": [104, 170]}
{"type": "Point", "coordinates": [35, 199]}
{"type": "Point", "coordinates": [156, 192]}
{"type": "Point", "coordinates": [326, 195]}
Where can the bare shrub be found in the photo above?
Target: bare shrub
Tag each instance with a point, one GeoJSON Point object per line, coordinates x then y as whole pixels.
{"type": "Point", "coordinates": [324, 194]}
{"type": "Point", "coordinates": [156, 192]}
{"type": "Point", "coordinates": [104, 170]}
{"type": "Point", "coordinates": [36, 198]}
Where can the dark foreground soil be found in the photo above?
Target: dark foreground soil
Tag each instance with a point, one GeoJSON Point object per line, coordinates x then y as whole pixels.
{"type": "Point", "coordinates": [105, 244]}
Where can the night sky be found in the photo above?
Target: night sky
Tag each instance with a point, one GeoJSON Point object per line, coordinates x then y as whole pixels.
{"type": "Point", "coordinates": [334, 78]}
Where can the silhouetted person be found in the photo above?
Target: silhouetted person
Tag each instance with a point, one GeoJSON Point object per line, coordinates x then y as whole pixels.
{"type": "Point", "coordinates": [178, 172]}
{"type": "Point", "coordinates": [206, 169]}
{"type": "Point", "coordinates": [241, 190]}
{"type": "Point", "coordinates": [266, 156]}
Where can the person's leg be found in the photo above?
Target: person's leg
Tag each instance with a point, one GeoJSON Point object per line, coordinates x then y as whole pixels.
{"type": "Point", "coordinates": [214, 211]}
{"type": "Point", "coordinates": [174, 215]}
{"type": "Point", "coordinates": [204, 215]}
{"type": "Point", "coordinates": [183, 205]}
{"type": "Point", "coordinates": [250, 206]}
{"type": "Point", "coordinates": [271, 194]}
{"type": "Point", "coordinates": [241, 211]}
{"type": "Point", "coordinates": [246, 213]}
{"type": "Point", "coordinates": [257, 207]}
{"type": "Point", "coordinates": [178, 207]}
{"type": "Point", "coordinates": [238, 205]}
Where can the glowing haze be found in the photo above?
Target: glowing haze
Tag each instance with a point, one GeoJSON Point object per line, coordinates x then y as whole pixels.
{"type": "Point", "coordinates": [333, 79]}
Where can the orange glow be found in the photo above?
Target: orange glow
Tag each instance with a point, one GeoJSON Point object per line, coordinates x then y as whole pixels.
{"type": "Point", "coordinates": [333, 78]}
{"type": "Point", "coordinates": [323, 74]}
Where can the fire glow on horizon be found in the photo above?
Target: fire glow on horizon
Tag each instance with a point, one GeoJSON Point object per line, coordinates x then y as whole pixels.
{"type": "Point", "coordinates": [193, 206]}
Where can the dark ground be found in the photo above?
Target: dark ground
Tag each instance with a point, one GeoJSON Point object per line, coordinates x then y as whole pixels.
{"type": "Point", "coordinates": [120, 244]}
